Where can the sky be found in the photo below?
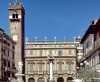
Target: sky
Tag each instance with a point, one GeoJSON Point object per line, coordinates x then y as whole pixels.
{"type": "Point", "coordinates": [54, 18]}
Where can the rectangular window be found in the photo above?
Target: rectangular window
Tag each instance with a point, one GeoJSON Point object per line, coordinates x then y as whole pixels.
{"type": "Point", "coordinates": [8, 64]}
{"type": "Point", "coordinates": [31, 52]}
{"type": "Point", "coordinates": [40, 52]}
{"type": "Point", "coordinates": [8, 53]}
{"type": "Point", "coordinates": [95, 37]}
{"type": "Point", "coordinates": [60, 53]}
{"type": "Point", "coordinates": [66, 67]}
{"type": "Point", "coordinates": [13, 55]}
{"type": "Point", "coordinates": [40, 67]}
{"type": "Point", "coordinates": [4, 62]}
{"type": "Point", "coordinates": [8, 74]}
{"type": "Point", "coordinates": [99, 58]}
{"type": "Point", "coordinates": [70, 52]}
{"type": "Point", "coordinates": [60, 66]}
{"type": "Point", "coordinates": [29, 67]}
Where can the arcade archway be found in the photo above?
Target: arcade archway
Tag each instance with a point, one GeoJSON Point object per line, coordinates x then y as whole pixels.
{"type": "Point", "coordinates": [60, 79]}
{"type": "Point", "coordinates": [31, 80]}
{"type": "Point", "coordinates": [69, 79]}
{"type": "Point", "coordinates": [41, 79]}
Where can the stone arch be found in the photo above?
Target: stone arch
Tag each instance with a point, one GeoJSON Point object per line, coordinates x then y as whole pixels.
{"type": "Point", "coordinates": [41, 79]}
{"type": "Point", "coordinates": [69, 79]}
{"type": "Point", "coordinates": [31, 80]}
{"type": "Point", "coordinates": [60, 79]}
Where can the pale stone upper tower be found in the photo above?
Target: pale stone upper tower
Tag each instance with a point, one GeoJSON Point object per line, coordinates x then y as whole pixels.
{"type": "Point", "coordinates": [16, 22]}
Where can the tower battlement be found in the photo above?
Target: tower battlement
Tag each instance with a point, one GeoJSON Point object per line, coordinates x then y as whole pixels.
{"type": "Point", "coordinates": [15, 2]}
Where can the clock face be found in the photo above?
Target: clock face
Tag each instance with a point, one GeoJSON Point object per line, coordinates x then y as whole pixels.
{"type": "Point", "coordinates": [15, 37]}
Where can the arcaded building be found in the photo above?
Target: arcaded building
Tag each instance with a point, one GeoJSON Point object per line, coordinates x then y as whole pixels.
{"type": "Point", "coordinates": [89, 70]}
{"type": "Point", "coordinates": [37, 55]}
{"type": "Point", "coordinates": [7, 63]}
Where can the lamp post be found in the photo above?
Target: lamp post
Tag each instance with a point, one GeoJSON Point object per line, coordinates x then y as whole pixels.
{"type": "Point", "coordinates": [50, 58]}
{"type": "Point", "coordinates": [87, 72]}
{"type": "Point", "coordinates": [77, 77]}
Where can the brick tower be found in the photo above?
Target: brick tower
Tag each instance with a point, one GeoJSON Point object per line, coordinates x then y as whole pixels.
{"type": "Point", "coordinates": [16, 22]}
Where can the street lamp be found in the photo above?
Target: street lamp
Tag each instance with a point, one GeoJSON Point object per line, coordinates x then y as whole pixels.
{"type": "Point", "coordinates": [87, 73]}
{"type": "Point", "coordinates": [77, 77]}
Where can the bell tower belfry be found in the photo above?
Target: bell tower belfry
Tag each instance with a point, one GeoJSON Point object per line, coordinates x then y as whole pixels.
{"type": "Point", "coordinates": [16, 23]}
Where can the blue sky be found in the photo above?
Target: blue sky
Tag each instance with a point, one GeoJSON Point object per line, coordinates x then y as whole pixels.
{"type": "Point", "coordinates": [60, 18]}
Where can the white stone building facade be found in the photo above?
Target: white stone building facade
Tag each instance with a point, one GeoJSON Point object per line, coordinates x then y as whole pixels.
{"type": "Point", "coordinates": [37, 62]}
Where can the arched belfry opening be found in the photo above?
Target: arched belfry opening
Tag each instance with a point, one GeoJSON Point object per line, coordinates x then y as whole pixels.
{"type": "Point", "coordinates": [60, 79]}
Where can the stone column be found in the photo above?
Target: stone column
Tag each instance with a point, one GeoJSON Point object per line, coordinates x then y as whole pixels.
{"type": "Point", "coordinates": [65, 67]}
{"type": "Point", "coordinates": [45, 79]}
{"type": "Point", "coordinates": [51, 70]}
{"type": "Point", "coordinates": [36, 69]}
{"type": "Point", "coordinates": [55, 67]}
{"type": "Point", "coordinates": [36, 78]}
{"type": "Point", "coordinates": [50, 58]}
{"type": "Point", "coordinates": [45, 67]}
